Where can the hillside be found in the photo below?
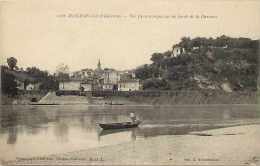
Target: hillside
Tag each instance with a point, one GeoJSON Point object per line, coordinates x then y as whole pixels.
{"type": "Point", "coordinates": [226, 64]}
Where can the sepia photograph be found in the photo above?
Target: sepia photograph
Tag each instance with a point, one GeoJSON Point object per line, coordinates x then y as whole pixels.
{"type": "Point", "coordinates": [119, 82]}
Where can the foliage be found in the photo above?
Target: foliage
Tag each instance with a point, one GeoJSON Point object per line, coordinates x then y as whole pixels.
{"type": "Point", "coordinates": [8, 83]}
{"type": "Point", "coordinates": [156, 84]}
{"type": "Point", "coordinates": [12, 62]}
{"type": "Point", "coordinates": [217, 60]}
{"type": "Point", "coordinates": [62, 72]}
{"type": "Point", "coordinates": [47, 81]}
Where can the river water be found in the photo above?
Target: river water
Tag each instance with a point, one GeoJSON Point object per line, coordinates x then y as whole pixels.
{"type": "Point", "coordinates": [30, 130]}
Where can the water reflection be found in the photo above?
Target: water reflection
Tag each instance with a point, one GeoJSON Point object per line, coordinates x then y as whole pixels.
{"type": "Point", "coordinates": [132, 132]}
{"type": "Point", "coordinates": [59, 129]}
{"type": "Point", "coordinates": [12, 135]}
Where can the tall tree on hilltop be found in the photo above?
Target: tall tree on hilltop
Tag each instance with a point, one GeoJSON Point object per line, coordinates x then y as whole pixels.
{"type": "Point", "coordinates": [8, 83]}
{"type": "Point", "coordinates": [62, 72]}
{"type": "Point", "coordinates": [12, 62]}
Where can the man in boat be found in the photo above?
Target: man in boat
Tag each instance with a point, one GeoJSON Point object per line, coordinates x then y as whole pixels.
{"type": "Point", "coordinates": [133, 117]}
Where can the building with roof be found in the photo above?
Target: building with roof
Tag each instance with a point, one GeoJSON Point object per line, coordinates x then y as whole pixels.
{"type": "Point", "coordinates": [129, 85]}
{"type": "Point", "coordinates": [177, 50]}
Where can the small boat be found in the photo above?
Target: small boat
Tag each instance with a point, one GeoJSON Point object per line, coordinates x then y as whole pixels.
{"type": "Point", "coordinates": [43, 104]}
{"type": "Point", "coordinates": [114, 103]}
{"type": "Point", "coordinates": [123, 125]}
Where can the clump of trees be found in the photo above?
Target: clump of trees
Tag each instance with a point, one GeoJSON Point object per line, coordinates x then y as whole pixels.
{"type": "Point", "coordinates": [62, 73]}
{"type": "Point", "coordinates": [12, 62]}
{"type": "Point", "coordinates": [47, 81]}
{"type": "Point", "coordinates": [217, 60]}
{"type": "Point", "coordinates": [9, 81]}
{"type": "Point", "coordinates": [221, 41]}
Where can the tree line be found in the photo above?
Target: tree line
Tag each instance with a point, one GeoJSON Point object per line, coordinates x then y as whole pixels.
{"type": "Point", "coordinates": [223, 59]}
{"type": "Point", "coordinates": [11, 71]}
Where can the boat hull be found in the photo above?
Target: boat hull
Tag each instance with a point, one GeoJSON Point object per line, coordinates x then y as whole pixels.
{"type": "Point", "coordinates": [124, 125]}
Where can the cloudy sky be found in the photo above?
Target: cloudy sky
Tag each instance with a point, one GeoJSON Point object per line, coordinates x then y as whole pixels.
{"type": "Point", "coordinates": [40, 33]}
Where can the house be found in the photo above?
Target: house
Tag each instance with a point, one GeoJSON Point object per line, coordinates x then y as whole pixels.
{"type": "Point", "coordinates": [32, 86]}
{"type": "Point", "coordinates": [87, 86]}
{"type": "Point", "coordinates": [129, 85]}
{"type": "Point", "coordinates": [177, 50]}
{"type": "Point", "coordinates": [110, 87]}
{"type": "Point", "coordinates": [111, 76]}
{"type": "Point", "coordinates": [73, 85]}
{"type": "Point", "coordinates": [195, 48]}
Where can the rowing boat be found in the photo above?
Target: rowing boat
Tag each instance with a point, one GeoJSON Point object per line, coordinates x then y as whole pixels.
{"type": "Point", "coordinates": [122, 125]}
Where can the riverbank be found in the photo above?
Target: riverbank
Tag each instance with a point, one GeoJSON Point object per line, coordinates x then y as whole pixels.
{"type": "Point", "coordinates": [178, 98]}
{"type": "Point", "coordinates": [21, 98]}
{"type": "Point", "coordinates": [199, 97]}
{"type": "Point", "coordinates": [225, 146]}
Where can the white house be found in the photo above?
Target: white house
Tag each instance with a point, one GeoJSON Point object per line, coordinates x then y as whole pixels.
{"type": "Point", "coordinates": [109, 86]}
{"type": "Point", "coordinates": [129, 85]}
{"type": "Point", "coordinates": [32, 86]}
{"type": "Point", "coordinates": [86, 85]}
{"type": "Point", "coordinates": [177, 50]}
{"type": "Point", "coordinates": [111, 76]}
{"type": "Point", "coordinates": [70, 85]}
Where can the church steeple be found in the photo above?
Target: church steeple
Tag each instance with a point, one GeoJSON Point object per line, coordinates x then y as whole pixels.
{"type": "Point", "coordinates": [99, 65]}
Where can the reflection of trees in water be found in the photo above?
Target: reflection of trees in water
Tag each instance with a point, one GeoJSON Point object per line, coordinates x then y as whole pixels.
{"type": "Point", "coordinates": [9, 123]}
{"type": "Point", "coordinates": [12, 135]}
{"type": "Point", "coordinates": [61, 130]}
{"type": "Point", "coordinates": [9, 118]}
{"type": "Point", "coordinates": [133, 132]}
{"type": "Point", "coordinates": [89, 121]}
{"type": "Point", "coordinates": [226, 114]}
{"type": "Point", "coordinates": [86, 122]}
{"type": "Point", "coordinates": [18, 119]}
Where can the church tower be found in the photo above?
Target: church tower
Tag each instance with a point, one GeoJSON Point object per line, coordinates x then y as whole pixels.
{"type": "Point", "coordinates": [99, 65]}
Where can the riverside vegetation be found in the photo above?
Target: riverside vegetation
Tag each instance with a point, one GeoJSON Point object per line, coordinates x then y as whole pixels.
{"type": "Point", "coordinates": [207, 63]}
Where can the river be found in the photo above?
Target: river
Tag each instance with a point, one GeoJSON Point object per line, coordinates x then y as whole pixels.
{"type": "Point", "coordinates": [31, 130]}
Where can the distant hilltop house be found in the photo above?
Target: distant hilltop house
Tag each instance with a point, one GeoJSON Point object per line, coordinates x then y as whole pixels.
{"type": "Point", "coordinates": [101, 80]}
{"type": "Point", "coordinates": [24, 81]}
{"type": "Point", "coordinates": [177, 50]}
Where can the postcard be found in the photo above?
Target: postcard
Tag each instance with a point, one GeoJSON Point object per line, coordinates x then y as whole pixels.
{"type": "Point", "coordinates": [118, 82]}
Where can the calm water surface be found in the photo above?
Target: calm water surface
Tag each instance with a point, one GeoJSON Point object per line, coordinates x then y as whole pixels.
{"type": "Point", "coordinates": [27, 131]}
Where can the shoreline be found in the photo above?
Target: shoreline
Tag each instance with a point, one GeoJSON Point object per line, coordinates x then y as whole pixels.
{"type": "Point", "coordinates": [209, 147]}
{"type": "Point", "coordinates": [198, 98]}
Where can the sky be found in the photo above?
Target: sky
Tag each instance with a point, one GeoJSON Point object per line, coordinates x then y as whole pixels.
{"type": "Point", "coordinates": [41, 33]}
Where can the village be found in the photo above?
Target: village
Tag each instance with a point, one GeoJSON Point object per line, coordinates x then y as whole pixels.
{"type": "Point", "coordinates": [88, 80]}
{"type": "Point", "coordinates": [198, 67]}
{"type": "Point", "coordinates": [101, 80]}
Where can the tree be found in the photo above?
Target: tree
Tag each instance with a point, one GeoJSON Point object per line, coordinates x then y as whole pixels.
{"type": "Point", "coordinates": [12, 62]}
{"type": "Point", "coordinates": [47, 80]}
{"type": "Point", "coordinates": [157, 58]}
{"type": "Point", "coordinates": [147, 71]}
{"type": "Point", "coordinates": [36, 73]}
{"type": "Point", "coordinates": [62, 72]}
{"type": "Point", "coordinates": [8, 83]}
{"type": "Point", "coordinates": [156, 84]}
